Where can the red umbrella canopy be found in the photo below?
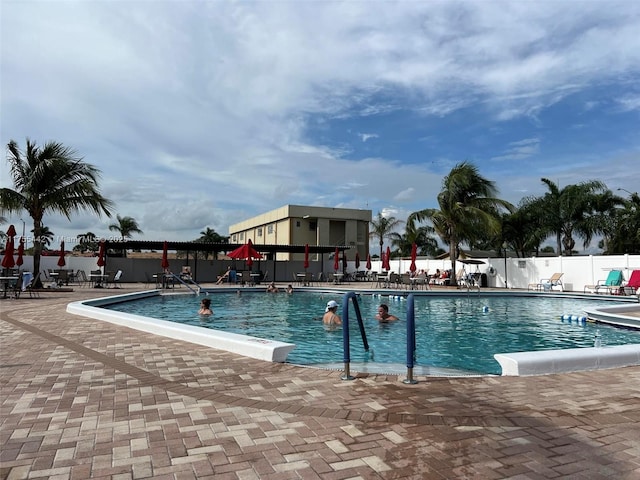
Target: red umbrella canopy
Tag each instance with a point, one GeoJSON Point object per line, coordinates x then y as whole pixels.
{"type": "Point", "coordinates": [357, 260]}
{"type": "Point", "coordinates": [165, 257]}
{"type": "Point", "coordinates": [245, 252]}
{"type": "Point", "coordinates": [414, 254]}
{"type": "Point", "coordinates": [19, 261]}
{"type": "Point", "coordinates": [386, 259]}
{"type": "Point", "coordinates": [61, 261]}
{"type": "Point", "coordinates": [368, 265]}
{"type": "Point", "coordinates": [101, 254]}
{"type": "Point", "coordinates": [306, 256]}
{"type": "Point", "coordinates": [336, 260]}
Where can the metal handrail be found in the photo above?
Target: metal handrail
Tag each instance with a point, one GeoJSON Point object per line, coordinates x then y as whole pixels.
{"type": "Point", "coordinates": [411, 339]}
{"type": "Point", "coordinates": [345, 331]}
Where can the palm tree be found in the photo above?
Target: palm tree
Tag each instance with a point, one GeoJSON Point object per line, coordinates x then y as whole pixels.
{"type": "Point", "coordinates": [570, 210]}
{"type": "Point", "coordinates": [126, 226]}
{"type": "Point", "coordinates": [46, 237]}
{"type": "Point", "coordinates": [50, 179]}
{"type": "Point", "coordinates": [468, 210]}
{"type": "Point", "coordinates": [382, 227]}
{"type": "Point", "coordinates": [209, 235]}
{"type": "Point", "coordinates": [623, 231]}
{"type": "Point", "coordinates": [421, 236]}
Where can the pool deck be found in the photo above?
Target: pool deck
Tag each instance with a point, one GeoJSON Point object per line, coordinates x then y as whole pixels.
{"type": "Point", "coordinates": [84, 399]}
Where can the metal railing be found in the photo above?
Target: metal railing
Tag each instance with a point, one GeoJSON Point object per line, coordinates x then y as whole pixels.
{"type": "Point", "coordinates": [345, 332]}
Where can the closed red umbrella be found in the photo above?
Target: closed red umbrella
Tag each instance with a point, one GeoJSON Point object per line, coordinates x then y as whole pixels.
{"type": "Point", "coordinates": [386, 259]}
{"type": "Point", "coordinates": [368, 264]}
{"type": "Point", "coordinates": [165, 257]}
{"type": "Point", "coordinates": [61, 261]}
{"type": "Point", "coordinates": [7, 260]}
{"type": "Point", "coordinates": [20, 261]}
{"type": "Point", "coordinates": [336, 260]}
{"type": "Point", "coordinates": [414, 254]}
{"type": "Point", "coordinates": [306, 256]}
{"type": "Point", "coordinates": [357, 260]}
{"type": "Point", "coordinates": [101, 259]}
{"type": "Point", "coordinates": [344, 261]}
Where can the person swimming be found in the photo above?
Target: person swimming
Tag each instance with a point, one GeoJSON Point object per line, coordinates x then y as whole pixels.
{"type": "Point", "coordinates": [383, 315]}
{"type": "Point", "coordinates": [205, 307]}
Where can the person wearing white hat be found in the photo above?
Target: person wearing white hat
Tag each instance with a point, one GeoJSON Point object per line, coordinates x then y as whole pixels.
{"type": "Point", "coordinates": [330, 316]}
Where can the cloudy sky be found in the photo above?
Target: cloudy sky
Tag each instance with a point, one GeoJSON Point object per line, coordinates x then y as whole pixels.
{"type": "Point", "coordinates": [201, 114]}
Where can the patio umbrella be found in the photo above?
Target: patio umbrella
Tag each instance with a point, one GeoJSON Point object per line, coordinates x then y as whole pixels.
{"type": "Point", "coordinates": [61, 261]}
{"type": "Point", "coordinates": [306, 256]}
{"type": "Point", "coordinates": [386, 260]}
{"type": "Point", "coordinates": [344, 261]}
{"type": "Point", "coordinates": [414, 254]}
{"type": "Point", "coordinates": [245, 252]}
{"type": "Point", "coordinates": [357, 260]}
{"type": "Point", "coordinates": [336, 260]}
{"type": "Point", "coordinates": [20, 261]}
{"type": "Point", "coordinates": [7, 260]}
{"type": "Point", "coordinates": [101, 254]}
{"type": "Point", "coordinates": [368, 265]}
{"type": "Point", "coordinates": [165, 259]}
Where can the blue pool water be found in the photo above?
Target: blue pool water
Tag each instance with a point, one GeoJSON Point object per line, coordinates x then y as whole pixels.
{"type": "Point", "coordinates": [451, 332]}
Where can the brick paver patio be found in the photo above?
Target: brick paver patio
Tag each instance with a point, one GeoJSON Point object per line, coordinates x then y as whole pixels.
{"type": "Point", "coordinates": [86, 399]}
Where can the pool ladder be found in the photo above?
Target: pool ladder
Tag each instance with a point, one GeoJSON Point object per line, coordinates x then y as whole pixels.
{"type": "Point", "coordinates": [411, 335]}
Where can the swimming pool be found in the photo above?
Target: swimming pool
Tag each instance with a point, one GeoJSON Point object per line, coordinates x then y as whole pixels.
{"type": "Point", "coordinates": [461, 333]}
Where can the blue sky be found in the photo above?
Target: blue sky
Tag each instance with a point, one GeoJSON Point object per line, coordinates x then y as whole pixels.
{"type": "Point", "coordinates": [202, 114]}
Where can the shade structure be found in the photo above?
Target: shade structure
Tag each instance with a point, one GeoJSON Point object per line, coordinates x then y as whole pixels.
{"type": "Point", "coordinates": [386, 265]}
{"type": "Point", "coordinates": [61, 260]}
{"type": "Point", "coordinates": [336, 260]}
{"type": "Point", "coordinates": [165, 257]}
{"type": "Point", "coordinates": [245, 252]}
{"type": "Point", "coordinates": [414, 255]}
{"type": "Point", "coordinates": [368, 264]}
{"type": "Point", "coordinates": [357, 260]}
{"type": "Point", "coordinates": [7, 260]}
{"type": "Point", "coordinates": [101, 259]}
{"type": "Point", "coordinates": [471, 261]}
{"type": "Point", "coordinates": [306, 256]}
{"type": "Point", "coordinates": [19, 260]}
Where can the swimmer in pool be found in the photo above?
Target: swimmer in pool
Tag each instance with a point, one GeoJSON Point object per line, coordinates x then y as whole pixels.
{"type": "Point", "coordinates": [383, 315]}
{"type": "Point", "coordinates": [205, 307]}
{"type": "Point", "coordinates": [330, 316]}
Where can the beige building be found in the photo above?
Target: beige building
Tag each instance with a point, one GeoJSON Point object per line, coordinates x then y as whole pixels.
{"type": "Point", "coordinates": [299, 225]}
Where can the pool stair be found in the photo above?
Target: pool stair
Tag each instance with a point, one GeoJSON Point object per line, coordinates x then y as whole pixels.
{"type": "Point", "coordinates": [253, 347]}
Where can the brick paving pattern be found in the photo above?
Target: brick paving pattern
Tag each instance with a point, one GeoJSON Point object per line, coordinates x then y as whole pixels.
{"type": "Point", "coordinates": [86, 399]}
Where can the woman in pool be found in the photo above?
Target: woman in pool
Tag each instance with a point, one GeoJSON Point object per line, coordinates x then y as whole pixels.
{"type": "Point", "coordinates": [383, 315]}
{"type": "Point", "coordinates": [272, 288]}
{"type": "Point", "coordinates": [205, 307]}
{"type": "Point", "coordinates": [330, 317]}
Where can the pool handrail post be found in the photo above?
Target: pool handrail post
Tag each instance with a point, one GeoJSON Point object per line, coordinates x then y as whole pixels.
{"type": "Point", "coordinates": [411, 339]}
{"type": "Point", "coordinates": [345, 332]}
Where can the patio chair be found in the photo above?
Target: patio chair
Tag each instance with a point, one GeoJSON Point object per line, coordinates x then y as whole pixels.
{"type": "Point", "coordinates": [547, 284]}
{"type": "Point", "coordinates": [612, 283]}
{"type": "Point", "coordinates": [633, 285]}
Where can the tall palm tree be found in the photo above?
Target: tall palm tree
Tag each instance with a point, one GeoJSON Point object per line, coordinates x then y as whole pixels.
{"type": "Point", "coordinates": [382, 227]}
{"type": "Point", "coordinates": [87, 242]}
{"type": "Point", "coordinates": [569, 211]}
{"type": "Point", "coordinates": [209, 235]}
{"type": "Point", "coordinates": [46, 237]}
{"type": "Point", "coordinates": [468, 210]}
{"type": "Point", "coordinates": [421, 236]}
{"type": "Point", "coordinates": [126, 226]}
{"type": "Point", "coordinates": [50, 179]}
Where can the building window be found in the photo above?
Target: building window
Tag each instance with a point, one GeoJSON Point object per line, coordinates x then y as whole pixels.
{"type": "Point", "coordinates": [260, 232]}
{"type": "Point", "coordinates": [241, 236]}
{"type": "Point", "coordinates": [313, 226]}
{"type": "Point", "coordinates": [234, 238]}
{"type": "Point", "coordinates": [270, 229]}
{"type": "Point", "coordinates": [297, 223]}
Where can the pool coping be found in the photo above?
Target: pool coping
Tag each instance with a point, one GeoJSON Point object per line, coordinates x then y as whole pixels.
{"type": "Point", "coordinates": [517, 363]}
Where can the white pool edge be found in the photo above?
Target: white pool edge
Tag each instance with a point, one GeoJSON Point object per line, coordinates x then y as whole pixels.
{"type": "Point", "coordinates": [252, 347]}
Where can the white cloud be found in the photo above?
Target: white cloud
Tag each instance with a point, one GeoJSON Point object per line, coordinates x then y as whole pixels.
{"type": "Point", "coordinates": [520, 150]}
{"type": "Point", "coordinates": [366, 136]}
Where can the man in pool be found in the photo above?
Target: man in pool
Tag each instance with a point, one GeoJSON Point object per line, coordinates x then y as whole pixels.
{"type": "Point", "coordinates": [205, 307]}
{"type": "Point", "coordinates": [330, 316]}
{"type": "Point", "coordinates": [383, 315]}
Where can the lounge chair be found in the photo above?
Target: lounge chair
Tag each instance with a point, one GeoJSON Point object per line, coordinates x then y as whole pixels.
{"type": "Point", "coordinates": [547, 284]}
{"type": "Point", "coordinates": [633, 285]}
{"type": "Point", "coordinates": [613, 282]}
